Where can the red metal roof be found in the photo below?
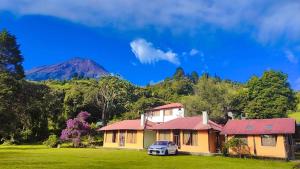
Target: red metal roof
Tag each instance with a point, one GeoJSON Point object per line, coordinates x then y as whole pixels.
{"type": "Point", "coordinates": [128, 125]}
{"type": "Point", "coordinates": [260, 126]}
{"type": "Point", "coordinates": [187, 123]}
{"type": "Point", "coordinates": [168, 106]}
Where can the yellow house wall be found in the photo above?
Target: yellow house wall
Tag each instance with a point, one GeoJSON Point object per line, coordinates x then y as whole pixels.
{"type": "Point", "coordinates": [206, 142]}
{"type": "Point", "coordinates": [139, 141]}
{"type": "Point", "coordinates": [202, 147]}
{"type": "Point", "coordinates": [107, 143]}
{"type": "Point", "coordinates": [138, 145]}
{"type": "Point", "coordinates": [277, 151]}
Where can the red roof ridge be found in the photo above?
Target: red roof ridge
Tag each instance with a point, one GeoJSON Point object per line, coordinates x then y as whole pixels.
{"type": "Point", "coordinates": [188, 123]}
{"type": "Point", "coordinates": [167, 106]}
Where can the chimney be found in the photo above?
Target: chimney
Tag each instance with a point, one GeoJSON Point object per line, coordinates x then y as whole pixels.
{"type": "Point", "coordinates": [204, 117]}
{"type": "Point", "coordinates": [142, 120]}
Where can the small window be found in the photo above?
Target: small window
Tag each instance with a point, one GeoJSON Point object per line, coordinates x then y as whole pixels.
{"type": "Point", "coordinates": [190, 138]}
{"type": "Point", "coordinates": [168, 112]}
{"type": "Point", "coordinates": [164, 135]}
{"type": "Point", "coordinates": [244, 138]}
{"type": "Point", "coordinates": [156, 113]}
{"type": "Point", "coordinates": [114, 137]}
{"type": "Point", "coordinates": [131, 137]}
{"type": "Point", "coordinates": [268, 140]}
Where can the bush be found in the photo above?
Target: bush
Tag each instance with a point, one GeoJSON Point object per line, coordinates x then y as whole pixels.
{"type": "Point", "coordinates": [237, 145]}
{"type": "Point", "coordinates": [52, 141]}
{"type": "Point", "coordinates": [8, 143]}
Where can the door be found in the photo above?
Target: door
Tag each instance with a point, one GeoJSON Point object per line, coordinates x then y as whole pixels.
{"type": "Point", "coordinates": [122, 139]}
{"type": "Point", "coordinates": [172, 147]}
{"type": "Point", "coordinates": [176, 137]}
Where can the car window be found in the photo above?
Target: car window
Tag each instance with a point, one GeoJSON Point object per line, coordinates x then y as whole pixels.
{"type": "Point", "coordinates": [161, 143]}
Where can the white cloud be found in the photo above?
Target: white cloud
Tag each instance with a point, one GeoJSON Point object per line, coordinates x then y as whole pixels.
{"type": "Point", "coordinates": [291, 56]}
{"type": "Point", "coordinates": [148, 54]}
{"type": "Point", "coordinates": [267, 20]}
{"type": "Point", "coordinates": [194, 52]}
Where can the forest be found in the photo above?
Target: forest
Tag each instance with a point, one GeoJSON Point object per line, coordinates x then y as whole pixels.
{"type": "Point", "coordinates": [31, 111]}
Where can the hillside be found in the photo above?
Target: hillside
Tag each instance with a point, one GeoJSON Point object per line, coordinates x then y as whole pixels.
{"type": "Point", "coordinates": [75, 67]}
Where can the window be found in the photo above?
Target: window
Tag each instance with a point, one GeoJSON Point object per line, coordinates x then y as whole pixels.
{"type": "Point", "coordinates": [156, 113]}
{"type": "Point", "coordinates": [111, 136]}
{"type": "Point", "coordinates": [164, 135]}
{"type": "Point", "coordinates": [131, 137]}
{"type": "Point", "coordinates": [244, 138]}
{"type": "Point", "coordinates": [190, 138]}
{"type": "Point", "coordinates": [108, 136]}
{"type": "Point", "coordinates": [114, 137]}
{"type": "Point", "coordinates": [268, 140]}
{"type": "Point", "coordinates": [168, 112]}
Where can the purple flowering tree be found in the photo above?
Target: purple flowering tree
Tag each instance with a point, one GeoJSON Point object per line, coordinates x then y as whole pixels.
{"type": "Point", "coordinates": [76, 128]}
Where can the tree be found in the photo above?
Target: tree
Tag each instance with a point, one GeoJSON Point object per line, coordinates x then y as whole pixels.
{"type": "Point", "coordinates": [179, 74]}
{"type": "Point", "coordinates": [76, 128]}
{"type": "Point", "coordinates": [32, 113]}
{"type": "Point", "coordinates": [209, 95]}
{"type": "Point", "coordinates": [269, 96]}
{"type": "Point", "coordinates": [194, 77]}
{"type": "Point", "coordinates": [10, 55]}
{"type": "Point", "coordinates": [113, 96]}
{"type": "Point", "coordinates": [9, 89]}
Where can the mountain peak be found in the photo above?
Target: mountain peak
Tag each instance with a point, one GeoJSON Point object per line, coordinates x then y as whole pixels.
{"type": "Point", "coordinates": [76, 66]}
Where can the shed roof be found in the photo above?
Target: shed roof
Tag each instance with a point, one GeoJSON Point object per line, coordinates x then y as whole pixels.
{"type": "Point", "coordinates": [260, 126]}
{"type": "Point", "coordinates": [187, 123]}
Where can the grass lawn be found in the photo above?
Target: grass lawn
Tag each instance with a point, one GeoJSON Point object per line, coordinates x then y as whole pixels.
{"type": "Point", "coordinates": [295, 115]}
{"type": "Point", "coordinates": [39, 157]}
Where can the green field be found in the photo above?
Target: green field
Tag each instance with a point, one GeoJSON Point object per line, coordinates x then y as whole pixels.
{"type": "Point", "coordinates": [39, 157]}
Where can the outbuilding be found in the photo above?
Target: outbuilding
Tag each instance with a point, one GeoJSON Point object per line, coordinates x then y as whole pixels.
{"type": "Point", "coordinates": [264, 137]}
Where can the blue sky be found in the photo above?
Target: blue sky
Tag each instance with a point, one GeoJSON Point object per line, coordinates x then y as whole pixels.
{"type": "Point", "coordinates": [145, 41]}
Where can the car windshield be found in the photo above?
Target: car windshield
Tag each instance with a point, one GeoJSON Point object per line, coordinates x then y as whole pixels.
{"type": "Point", "coordinates": [161, 143]}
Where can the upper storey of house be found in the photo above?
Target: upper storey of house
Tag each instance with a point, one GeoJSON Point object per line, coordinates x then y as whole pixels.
{"type": "Point", "coordinates": [165, 113]}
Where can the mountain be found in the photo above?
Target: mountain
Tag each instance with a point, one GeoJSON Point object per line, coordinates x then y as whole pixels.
{"type": "Point", "coordinates": [67, 70]}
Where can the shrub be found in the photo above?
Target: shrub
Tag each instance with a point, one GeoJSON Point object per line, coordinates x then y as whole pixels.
{"type": "Point", "coordinates": [76, 129]}
{"type": "Point", "coordinates": [8, 143]}
{"type": "Point", "coordinates": [237, 145]}
{"type": "Point", "coordinates": [52, 141]}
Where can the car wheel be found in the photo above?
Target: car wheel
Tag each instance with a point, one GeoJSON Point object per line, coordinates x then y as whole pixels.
{"type": "Point", "coordinates": [166, 153]}
{"type": "Point", "coordinates": [176, 152]}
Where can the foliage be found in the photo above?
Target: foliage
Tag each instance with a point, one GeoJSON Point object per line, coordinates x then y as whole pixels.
{"type": "Point", "coordinates": [211, 95]}
{"type": "Point", "coordinates": [113, 95]}
{"type": "Point", "coordinates": [237, 145]}
{"type": "Point", "coordinates": [9, 90]}
{"type": "Point", "coordinates": [269, 96]}
{"type": "Point", "coordinates": [10, 55]}
{"type": "Point", "coordinates": [52, 141]}
{"type": "Point", "coordinates": [76, 128]}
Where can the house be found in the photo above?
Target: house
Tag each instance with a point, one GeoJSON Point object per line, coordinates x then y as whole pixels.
{"type": "Point", "coordinates": [138, 134]}
{"type": "Point", "coordinates": [165, 113]}
{"type": "Point", "coordinates": [264, 137]}
{"type": "Point", "coordinates": [192, 134]}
